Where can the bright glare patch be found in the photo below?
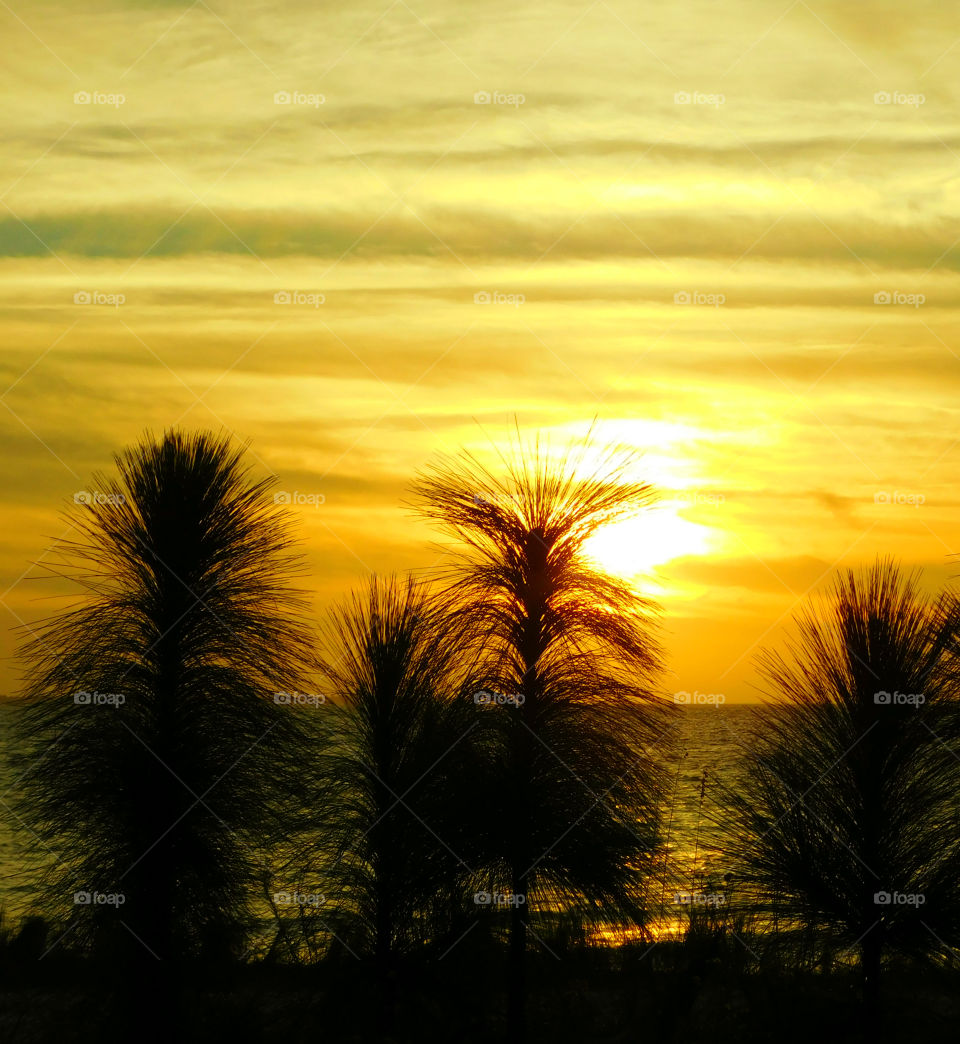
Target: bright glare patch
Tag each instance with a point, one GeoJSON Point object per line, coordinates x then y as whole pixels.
{"type": "Point", "coordinates": [635, 546]}
{"type": "Point", "coordinates": [666, 446]}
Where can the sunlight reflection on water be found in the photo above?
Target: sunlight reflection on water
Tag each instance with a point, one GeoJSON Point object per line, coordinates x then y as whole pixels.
{"type": "Point", "coordinates": [709, 735]}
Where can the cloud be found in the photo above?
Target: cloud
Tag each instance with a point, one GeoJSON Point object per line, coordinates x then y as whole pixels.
{"type": "Point", "coordinates": [465, 236]}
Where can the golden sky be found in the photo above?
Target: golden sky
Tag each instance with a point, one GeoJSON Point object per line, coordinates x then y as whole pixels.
{"type": "Point", "coordinates": [361, 234]}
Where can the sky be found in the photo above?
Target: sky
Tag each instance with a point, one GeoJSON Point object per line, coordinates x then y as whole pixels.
{"type": "Point", "coordinates": [359, 235]}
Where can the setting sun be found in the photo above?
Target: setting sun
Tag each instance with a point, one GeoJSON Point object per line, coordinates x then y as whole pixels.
{"type": "Point", "coordinates": [633, 547]}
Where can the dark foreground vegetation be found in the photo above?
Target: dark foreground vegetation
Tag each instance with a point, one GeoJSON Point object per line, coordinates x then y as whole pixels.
{"type": "Point", "coordinates": [448, 812]}
{"type": "Point", "coordinates": [677, 992]}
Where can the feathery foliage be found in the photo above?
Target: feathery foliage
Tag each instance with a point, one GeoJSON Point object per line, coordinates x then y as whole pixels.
{"type": "Point", "coordinates": [848, 800]}
{"type": "Point", "coordinates": [392, 833]}
{"type": "Point", "coordinates": [154, 751]}
{"type": "Point", "coordinates": [566, 655]}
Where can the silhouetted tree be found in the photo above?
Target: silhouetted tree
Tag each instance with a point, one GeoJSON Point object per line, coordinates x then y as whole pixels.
{"type": "Point", "coordinates": [391, 833]}
{"type": "Point", "coordinates": [847, 808]}
{"type": "Point", "coordinates": [565, 661]}
{"type": "Point", "coordinates": [155, 750]}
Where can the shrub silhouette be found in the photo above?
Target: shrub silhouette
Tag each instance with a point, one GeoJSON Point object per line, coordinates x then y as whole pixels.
{"type": "Point", "coordinates": [393, 836]}
{"type": "Point", "coordinates": [849, 793]}
{"type": "Point", "coordinates": [564, 656]}
{"type": "Point", "coordinates": [154, 752]}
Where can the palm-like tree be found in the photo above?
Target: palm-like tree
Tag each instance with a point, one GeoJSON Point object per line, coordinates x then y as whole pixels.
{"type": "Point", "coordinates": [849, 796]}
{"type": "Point", "coordinates": [392, 834]}
{"type": "Point", "coordinates": [155, 752]}
{"type": "Point", "coordinates": [563, 659]}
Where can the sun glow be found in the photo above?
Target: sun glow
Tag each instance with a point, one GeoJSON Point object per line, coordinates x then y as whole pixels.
{"type": "Point", "coordinates": [633, 547]}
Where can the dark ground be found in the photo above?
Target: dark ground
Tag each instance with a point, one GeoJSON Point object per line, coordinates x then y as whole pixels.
{"type": "Point", "coordinates": [635, 994]}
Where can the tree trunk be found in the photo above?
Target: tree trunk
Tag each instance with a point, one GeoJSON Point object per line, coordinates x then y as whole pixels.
{"type": "Point", "coordinates": [517, 965]}
{"type": "Point", "coordinates": [386, 994]}
{"type": "Point", "coordinates": [534, 600]}
{"type": "Point", "coordinates": [871, 952]}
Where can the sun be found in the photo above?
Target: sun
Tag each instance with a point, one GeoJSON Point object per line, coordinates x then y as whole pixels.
{"type": "Point", "coordinates": [634, 547]}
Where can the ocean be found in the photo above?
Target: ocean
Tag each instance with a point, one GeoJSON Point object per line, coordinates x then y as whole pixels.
{"type": "Point", "coordinates": [709, 739]}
